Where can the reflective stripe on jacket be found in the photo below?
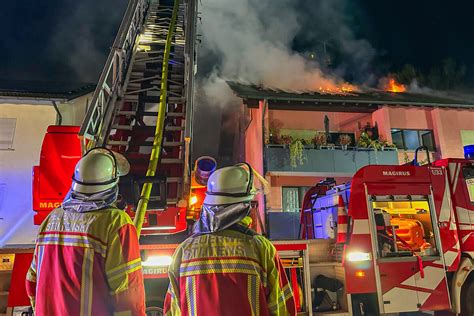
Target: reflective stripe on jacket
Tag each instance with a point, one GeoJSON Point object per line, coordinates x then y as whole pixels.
{"type": "Point", "coordinates": [228, 273]}
{"type": "Point", "coordinates": [87, 264]}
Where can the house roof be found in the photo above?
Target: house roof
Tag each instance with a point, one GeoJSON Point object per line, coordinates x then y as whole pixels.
{"type": "Point", "coordinates": [44, 89]}
{"type": "Point", "coordinates": [367, 101]}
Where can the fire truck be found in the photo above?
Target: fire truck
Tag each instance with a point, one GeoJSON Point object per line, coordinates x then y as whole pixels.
{"type": "Point", "coordinates": [408, 245]}
{"type": "Point", "coordinates": [142, 107]}
{"type": "Point", "coordinates": [395, 239]}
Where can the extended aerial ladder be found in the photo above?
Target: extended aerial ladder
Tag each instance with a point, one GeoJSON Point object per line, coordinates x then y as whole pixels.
{"type": "Point", "coordinates": [142, 108]}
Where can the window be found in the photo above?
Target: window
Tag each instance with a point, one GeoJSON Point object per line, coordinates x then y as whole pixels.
{"type": "Point", "coordinates": [411, 139]}
{"type": "Point", "coordinates": [7, 131]}
{"type": "Point", "coordinates": [404, 226]}
{"type": "Point", "coordinates": [468, 173]}
{"type": "Point", "coordinates": [292, 198]}
{"type": "Point", "coordinates": [467, 137]}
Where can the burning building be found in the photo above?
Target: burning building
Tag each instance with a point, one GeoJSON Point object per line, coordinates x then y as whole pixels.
{"type": "Point", "coordinates": [298, 139]}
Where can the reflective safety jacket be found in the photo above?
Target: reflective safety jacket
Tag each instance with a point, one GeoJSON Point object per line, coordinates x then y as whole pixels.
{"type": "Point", "coordinates": [86, 264]}
{"type": "Point", "coordinates": [230, 272]}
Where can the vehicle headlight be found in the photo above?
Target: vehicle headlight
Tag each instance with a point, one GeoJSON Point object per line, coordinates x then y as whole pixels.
{"type": "Point", "coordinates": [157, 261]}
{"type": "Point", "coordinates": [358, 256]}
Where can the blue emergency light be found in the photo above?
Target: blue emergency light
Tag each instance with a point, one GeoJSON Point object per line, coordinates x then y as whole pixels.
{"type": "Point", "coordinates": [469, 152]}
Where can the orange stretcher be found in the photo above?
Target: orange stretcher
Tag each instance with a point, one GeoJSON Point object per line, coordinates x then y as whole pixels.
{"type": "Point", "coordinates": [410, 231]}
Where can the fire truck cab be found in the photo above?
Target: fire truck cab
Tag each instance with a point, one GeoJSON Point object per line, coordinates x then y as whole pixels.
{"type": "Point", "coordinates": [405, 236]}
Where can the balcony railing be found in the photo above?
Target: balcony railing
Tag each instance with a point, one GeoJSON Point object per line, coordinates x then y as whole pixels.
{"type": "Point", "coordinates": [328, 160]}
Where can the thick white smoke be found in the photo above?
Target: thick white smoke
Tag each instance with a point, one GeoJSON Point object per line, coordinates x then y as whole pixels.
{"type": "Point", "coordinates": [250, 41]}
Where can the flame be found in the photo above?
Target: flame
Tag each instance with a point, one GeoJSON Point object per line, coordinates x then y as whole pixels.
{"type": "Point", "coordinates": [394, 86]}
{"type": "Point", "coordinates": [343, 89]}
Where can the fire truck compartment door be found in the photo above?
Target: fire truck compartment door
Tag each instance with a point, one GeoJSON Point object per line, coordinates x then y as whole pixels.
{"type": "Point", "coordinates": [406, 288]}
{"type": "Point", "coordinates": [395, 298]}
{"type": "Point", "coordinates": [414, 280]}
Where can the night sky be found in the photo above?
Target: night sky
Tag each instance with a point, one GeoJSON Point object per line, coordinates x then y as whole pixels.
{"type": "Point", "coordinates": [421, 32]}
{"type": "Point", "coordinates": [66, 40]}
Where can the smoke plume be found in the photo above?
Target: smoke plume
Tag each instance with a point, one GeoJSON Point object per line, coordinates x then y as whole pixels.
{"type": "Point", "coordinates": [84, 35]}
{"type": "Point", "coordinates": [251, 41]}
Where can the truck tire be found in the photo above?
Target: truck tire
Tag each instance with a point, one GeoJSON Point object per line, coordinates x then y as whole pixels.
{"type": "Point", "coordinates": [467, 297]}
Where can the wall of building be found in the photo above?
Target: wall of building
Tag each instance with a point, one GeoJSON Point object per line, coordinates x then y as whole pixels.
{"type": "Point", "coordinates": [32, 120]}
{"type": "Point", "coordinates": [449, 123]}
{"type": "Point", "coordinates": [16, 225]}
{"type": "Point", "coordinates": [254, 146]}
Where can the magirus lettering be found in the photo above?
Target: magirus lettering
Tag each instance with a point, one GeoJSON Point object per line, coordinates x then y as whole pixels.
{"type": "Point", "coordinates": [396, 173]}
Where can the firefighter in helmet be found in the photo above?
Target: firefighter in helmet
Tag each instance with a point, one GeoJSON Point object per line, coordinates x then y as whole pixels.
{"type": "Point", "coordinates": [87, 257]}
{"type": "Point", "coordinates": [225, 268]}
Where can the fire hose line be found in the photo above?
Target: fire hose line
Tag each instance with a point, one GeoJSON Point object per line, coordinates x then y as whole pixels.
{"type": "Point", "coordinates": [160, 123]}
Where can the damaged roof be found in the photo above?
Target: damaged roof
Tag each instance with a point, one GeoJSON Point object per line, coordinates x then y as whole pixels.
{"type": "Point", "coordinates": [44, 89]}
{"type": "Point", "coordinates": [368, 101]}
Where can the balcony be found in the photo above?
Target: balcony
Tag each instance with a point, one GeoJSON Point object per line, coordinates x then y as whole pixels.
{"type": "Point", "coordinates": [327, 160]}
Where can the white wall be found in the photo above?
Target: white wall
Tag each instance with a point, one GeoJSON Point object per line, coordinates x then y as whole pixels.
{"type": "Point", "coordinates": [17, 227]}
{"type": "Point", "coordinates": [32, 120]}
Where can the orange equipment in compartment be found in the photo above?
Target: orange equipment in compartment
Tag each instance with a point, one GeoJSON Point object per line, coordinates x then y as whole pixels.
{"type": "Point", "coordinates": [410, 231]}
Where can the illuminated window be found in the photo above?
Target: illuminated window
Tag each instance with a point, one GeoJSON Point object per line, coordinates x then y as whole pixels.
{"type": "Point", "coordinates": [292, 198]}
{"type": "Point", "coordinates": [410, 139]}
{"type": "Point", "coordinates": [404, 226]}
{"type": "Point", "coordinates": [468, 173]}
{"type": "Point", "coordinates": [7, 131]}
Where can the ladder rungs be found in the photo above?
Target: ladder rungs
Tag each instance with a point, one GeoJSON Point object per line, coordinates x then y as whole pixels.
{"type": "Point", "coordinates": [117, 143]}
{"type": "Point", "coordinates": [174, 180]}
{"type": "Point", "coordinates": [134, 98]}
{"type": "Point", "coordinates": [175, 114]}
{"type": "Point", "coordinates": [144, 144]}
{"type": "Point", "coordinates": [123, 127]}
{"type": "Point", "coordinates": [174, 128]}
{"type": "Point", "coordinates": [126, 113]}
{"type": "Point", "coordinates": [148, 113]}
{"type": "Point", "coordinates": [171, 161]}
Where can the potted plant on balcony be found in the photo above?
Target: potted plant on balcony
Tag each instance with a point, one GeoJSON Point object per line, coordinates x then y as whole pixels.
{"type": "Point", "coordinates": [297, 156]}
{"type": "Point", "coordinates": [344, 140]}
{"type": "Point", "coordinates": [385, 144]}
{"type": "Point", "coordinates": [320, 139]}
{"type": "Point", "coordinates": [285, 140]}
{"type": "Point", "coordinates": [365, 141]}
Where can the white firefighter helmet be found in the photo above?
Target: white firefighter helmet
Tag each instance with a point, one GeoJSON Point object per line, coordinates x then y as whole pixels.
{"type": "Point", "coordinates": [230, 185]}
{"type": "Point", "coordinates": [99, 170]}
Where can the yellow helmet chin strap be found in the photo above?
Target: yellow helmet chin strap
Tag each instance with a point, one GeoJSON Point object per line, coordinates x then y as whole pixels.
{"type": "Point", "coordinates": [264, 183]}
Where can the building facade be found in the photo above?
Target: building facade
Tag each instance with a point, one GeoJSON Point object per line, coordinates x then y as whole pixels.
{"type": "Point", "coordinates": [26, 110]}
{"type": "Point", "coordinates": [296, 140]}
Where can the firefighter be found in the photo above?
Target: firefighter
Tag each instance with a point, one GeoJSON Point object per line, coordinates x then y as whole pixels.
{"type": "Point", "coordinates": [226, 268]}
{"type": "Point", "coordinates": [87, 257]}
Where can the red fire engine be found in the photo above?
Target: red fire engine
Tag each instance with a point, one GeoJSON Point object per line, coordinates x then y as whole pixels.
{"type": "Point", "coordinates": [405, 236]}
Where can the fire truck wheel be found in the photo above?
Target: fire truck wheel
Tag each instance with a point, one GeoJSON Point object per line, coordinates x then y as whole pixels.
{"type": "Point", "coordinates": [467, 293]}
